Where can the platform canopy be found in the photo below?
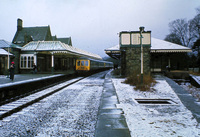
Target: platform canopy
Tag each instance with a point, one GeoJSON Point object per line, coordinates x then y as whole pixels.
{"type": "Point", "coordinates": [157, 46]}
{"type": "Point", "coordinates": [113, 52]}
{"type": "Point", "coordinates": [4, 53]}
{"type": "Point", "coordinates": [57, 47]}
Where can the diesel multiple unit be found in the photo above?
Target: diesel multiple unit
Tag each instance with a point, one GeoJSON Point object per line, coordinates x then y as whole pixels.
{"type": "Point", "coordinates": [88, 65]}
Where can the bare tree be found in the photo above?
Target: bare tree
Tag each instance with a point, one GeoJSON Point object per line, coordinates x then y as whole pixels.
{"type": "Point", "coordinates": [173, 38]}
{"type": "Point", "coordinates": [181, 28]}
{"type": "Point", "coordinates": [195, 26]}
{"type": "Point", "coordinates": [187, 33]}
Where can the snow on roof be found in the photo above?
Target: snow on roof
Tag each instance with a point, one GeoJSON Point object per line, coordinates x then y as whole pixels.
{"type": "Point", "coordinates": [4, 52]}
{"type": "Point", "coordinates": [57, 47]}
{"type": "Point", "coordinates": [158, 45]}
{"type": "Point", "coordinates": [113, 48]}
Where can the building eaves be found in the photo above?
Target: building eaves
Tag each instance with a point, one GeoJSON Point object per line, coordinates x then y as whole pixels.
{"type": "Point", "coordinates": [4, 53]}
{"type": "Point", "coordinates": [6, 44]}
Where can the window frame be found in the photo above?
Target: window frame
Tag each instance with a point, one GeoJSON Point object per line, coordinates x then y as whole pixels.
{"type": "Point", "coordinates": [26, 61]}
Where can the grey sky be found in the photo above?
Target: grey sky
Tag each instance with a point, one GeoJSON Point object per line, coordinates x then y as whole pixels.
{"type": "Point", "coordinates": [94, 24]}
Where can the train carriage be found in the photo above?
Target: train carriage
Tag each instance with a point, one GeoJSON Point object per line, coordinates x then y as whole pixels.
{"type": "Point", "coordinates": [88, 65]}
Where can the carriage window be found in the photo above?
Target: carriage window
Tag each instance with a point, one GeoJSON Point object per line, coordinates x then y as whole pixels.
{"type": "Point", "coordinates": [82, 63]}
{"type": "Point", "coordinates": [86, 63]}
{"type": "Point", "coordinates": [78, 63]}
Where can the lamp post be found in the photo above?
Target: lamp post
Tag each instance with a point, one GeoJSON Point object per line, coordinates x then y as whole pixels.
{"type": "Point", "coordinates": [8, 64]}
{"type": "Point", "coordinates": [141, 30]}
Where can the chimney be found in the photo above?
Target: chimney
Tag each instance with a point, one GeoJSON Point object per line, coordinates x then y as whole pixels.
{"type": "Point", "coordinates": [19, 24]}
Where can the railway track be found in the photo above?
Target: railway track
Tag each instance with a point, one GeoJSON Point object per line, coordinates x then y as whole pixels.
{"type": "Point", "coordinates": [71, 110]}
{"type": "Point", "coordinates": [14, 105]}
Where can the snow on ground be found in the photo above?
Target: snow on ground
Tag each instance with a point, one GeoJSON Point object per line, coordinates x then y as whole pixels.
{"type": "Point", "coordinates": [155, 120]}
{"type": "Point", "coordinates": [71, 112]}
{"type": "Point", "coordinates": [194, 91]}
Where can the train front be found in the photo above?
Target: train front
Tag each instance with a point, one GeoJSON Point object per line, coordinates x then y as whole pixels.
{"type": "Point", "coordinates": [82, 65]}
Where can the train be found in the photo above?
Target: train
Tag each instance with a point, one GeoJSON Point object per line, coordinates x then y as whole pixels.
{"type": "Point", "coordinates": [91, 65]}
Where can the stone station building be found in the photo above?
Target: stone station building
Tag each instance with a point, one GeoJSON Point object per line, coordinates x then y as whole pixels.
{"type": "Point", "coordinates": [158, 55]}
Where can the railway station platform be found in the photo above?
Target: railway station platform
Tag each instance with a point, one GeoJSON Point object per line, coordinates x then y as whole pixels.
{"type": "Point", "coordinates": [4, 79]}
{"type": "Point", "coordinates": [111, 119]}
{"type": "Point", "coordinates": [21, 77]}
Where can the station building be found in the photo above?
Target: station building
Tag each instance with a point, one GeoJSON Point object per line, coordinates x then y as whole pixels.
{"type": "Point", "coordinates": [158, 55]}
{"type": "Point", "coordinates": [51, 56]}
{"type": "Point", "coordinates": [36, 45]}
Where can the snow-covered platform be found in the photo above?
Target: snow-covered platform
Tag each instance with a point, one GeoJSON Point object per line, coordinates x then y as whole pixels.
{"type": "Point", "coordinates": [107, 104]}
{"type": "Point", "coordinates": [158, 119]}
{"type": "Point", "coordinates": [111, 121]}
{"type": "Point", "coordinates": [21, 79]}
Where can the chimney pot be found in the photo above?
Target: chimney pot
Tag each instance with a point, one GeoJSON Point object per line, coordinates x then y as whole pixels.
{"type": "Point", "coordinates": [19, 24]}
{"type": "Point", "coordinates": [141, 28]}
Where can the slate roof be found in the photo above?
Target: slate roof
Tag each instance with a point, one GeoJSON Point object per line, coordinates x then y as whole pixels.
{"type": "Point", "coordinates": [35, 33]}
{"type": "Point", "coordinates": [6, 44]}
{"type": "Point", "coordinates": [65, 40]}
{"type": "Point", "coordinates": [54, 38]}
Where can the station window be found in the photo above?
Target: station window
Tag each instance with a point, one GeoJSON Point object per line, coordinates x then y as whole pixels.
{"type": "Point", "coordinates": [29, 62]}
{"type": "Point", "coordinates": [26, 61]}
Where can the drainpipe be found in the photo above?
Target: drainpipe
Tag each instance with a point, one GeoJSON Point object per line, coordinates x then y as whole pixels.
{"type": "Point", "coordinates": [52, 63]}
{"type": "Point", "coordinates": [8, 64]}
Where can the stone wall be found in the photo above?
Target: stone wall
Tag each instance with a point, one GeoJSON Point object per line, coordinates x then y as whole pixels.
{"type": "Point", "coordinates": [131, 60]}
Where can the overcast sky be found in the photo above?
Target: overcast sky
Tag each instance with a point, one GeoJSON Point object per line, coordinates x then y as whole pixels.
{"type": "Point", "coordinates": [94, 24]}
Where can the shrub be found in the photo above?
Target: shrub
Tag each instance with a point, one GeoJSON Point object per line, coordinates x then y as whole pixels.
{"type": "Point", "coordinates": [135, 80]}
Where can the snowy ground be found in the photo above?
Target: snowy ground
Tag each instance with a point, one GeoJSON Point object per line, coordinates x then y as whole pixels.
{"type": "Point", "coordinates": [155, 120]}
{"type": "Point", "coordinates": [194, 91]}
{"type": "Point", "coordinates": [71, 112]}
